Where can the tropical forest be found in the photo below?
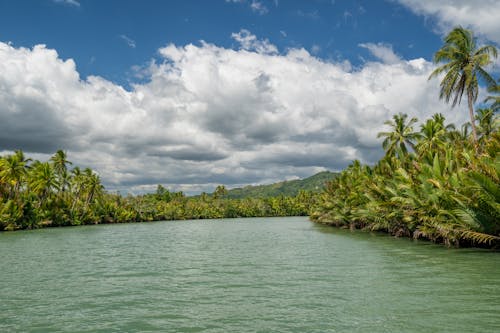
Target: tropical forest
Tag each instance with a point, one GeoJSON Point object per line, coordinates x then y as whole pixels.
{"type": "Point", "coordinates": [249, 166]}
{"type": "Point", "coordinates": [437, 181]}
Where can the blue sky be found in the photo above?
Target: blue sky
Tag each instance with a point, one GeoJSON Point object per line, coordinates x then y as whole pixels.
{"type": "Point", "coordinates": [107, 38]}
{"type": "Point", "coordinates": [192, 94]}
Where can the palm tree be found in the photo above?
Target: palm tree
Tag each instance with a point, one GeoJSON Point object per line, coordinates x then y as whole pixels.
{"type": "Point", "coordinates": [488, 122]}
{"type": "Point", "coordinates": [93, 186]}
{"type": "Point", "coordinates": [60, 163]}
{"type": "Point", "coordinates": [401, 135]}
{"type": "Point", "coordinates": [463, 66]}
{"type": "Point", "coordinates": [12, 172]}
{"type": "Point", "coordinates": [220, 191]}
{"type": "Point", "coordinates": [433, 136]}
{"type": "Point", "coordinates": [43, 180]}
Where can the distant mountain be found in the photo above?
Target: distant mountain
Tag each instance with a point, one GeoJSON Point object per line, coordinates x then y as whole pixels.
{"type": "Point", "coordinates": [287, 188]}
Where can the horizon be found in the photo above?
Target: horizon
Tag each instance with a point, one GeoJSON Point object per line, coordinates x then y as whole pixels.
{"type": "Point", "coordinates": [193, 95]}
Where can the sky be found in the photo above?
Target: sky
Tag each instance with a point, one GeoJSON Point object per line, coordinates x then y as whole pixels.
{"type": "Point", "coordinates": [193, 94]}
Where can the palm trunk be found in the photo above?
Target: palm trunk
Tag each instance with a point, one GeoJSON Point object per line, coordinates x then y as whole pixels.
{"type": "Point", "coordinates": [472, 120]}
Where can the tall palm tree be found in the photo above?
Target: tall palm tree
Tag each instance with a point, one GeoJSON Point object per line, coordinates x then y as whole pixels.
{"type": "Point", "coordinates": [464, 64]}
{"type": "Point", "coordinates": [93, 186]}
{"type": "Point", "coordinates": [43, 180]}
{"type": "Point", "coordinates": [60, 163]}
{"type": "Point", "coordinates": [400, 136]}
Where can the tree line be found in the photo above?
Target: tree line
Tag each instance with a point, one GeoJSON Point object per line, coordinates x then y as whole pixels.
{"type": "Point", "coordinates": [36, 194]}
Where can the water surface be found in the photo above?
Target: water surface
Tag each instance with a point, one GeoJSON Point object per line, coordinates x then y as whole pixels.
{"type": "Point", "coordinates": [241, 275]}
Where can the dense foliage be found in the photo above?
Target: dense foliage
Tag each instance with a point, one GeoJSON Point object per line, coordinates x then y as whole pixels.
{"type": "Point", "coordinates": [165, 205]}
{"type": "Point", "coordinates": [442, 190]}
{"type": "Point", "coordinates": [289, 188]}
{"type": "Point", "coordinates": [36, 194]}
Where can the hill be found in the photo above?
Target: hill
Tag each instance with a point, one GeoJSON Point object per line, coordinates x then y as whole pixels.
{"type": "Point", "coordinates": [287, 188]}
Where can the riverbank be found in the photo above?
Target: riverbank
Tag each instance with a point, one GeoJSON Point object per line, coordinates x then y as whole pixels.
{"type": "Point", "coordinates": [445, 189]}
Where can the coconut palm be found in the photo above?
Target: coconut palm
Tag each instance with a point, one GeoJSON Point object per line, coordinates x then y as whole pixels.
{"type": "Point", "coordinates": [12, 172]}
{"type": "Point", "coordinates": [488, 122]}
{"type": "Point", "coordinates": [92, 186]}
{"type": "Point", "coordinates": [433, 136]}
{"type": "Point", "coordinates": [43, 180]}
{"type": "Point", "coordinates": [401, 135]}
{"type": "Point", "coordinates": [60, 162]}
{"type": "Point", "coordinates": [464, 65]}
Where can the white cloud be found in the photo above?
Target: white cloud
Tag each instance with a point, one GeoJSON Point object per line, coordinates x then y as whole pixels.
{"type": "Point", "coordinates": [68, 2]}
{"type": "Point", "coordinates": [248, 41]}
{"type": "Point", "coordinates": [382, 51]}
{"type": "Point", "coordinates": [130, 42]}
{"type": "Point", "coordinates": [483, 16]}
{"type": "Point", "coordinates": [209, 115]}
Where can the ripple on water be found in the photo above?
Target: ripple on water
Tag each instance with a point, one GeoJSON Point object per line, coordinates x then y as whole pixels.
{"type": "Point", "coordinates": [241, 275]}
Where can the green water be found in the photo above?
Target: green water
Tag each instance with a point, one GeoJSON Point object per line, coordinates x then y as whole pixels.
{"type": "Point", "coordinates": [241, 275]}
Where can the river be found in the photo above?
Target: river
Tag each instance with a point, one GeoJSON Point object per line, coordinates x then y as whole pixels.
{"type": "Point", "coordinates": [241, 275]}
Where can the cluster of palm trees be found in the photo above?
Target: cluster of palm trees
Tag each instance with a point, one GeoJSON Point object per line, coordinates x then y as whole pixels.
{"type": "Point", "coordinates": [34, 193]}
{"type": "Point", "coordinates": [440, 183]}
{"type": "Point", "coordinates": [439, 190]}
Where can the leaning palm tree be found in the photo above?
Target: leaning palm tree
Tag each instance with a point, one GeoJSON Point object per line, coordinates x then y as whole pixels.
{"type": "Point", "coordinates": [464, 65]}
{"type": "Point", "coordinates": [93, 186]}
{"type": "Point", "coordinates": [400, 136]}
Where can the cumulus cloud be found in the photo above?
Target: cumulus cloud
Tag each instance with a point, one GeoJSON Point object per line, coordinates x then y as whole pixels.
{"type": "Point", "coordinates": [209, 115]}
{"type": "Point", "coordinates": [482, 16]}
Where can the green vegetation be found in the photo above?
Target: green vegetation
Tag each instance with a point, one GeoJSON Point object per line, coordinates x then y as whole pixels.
{"type": "Point", "coordinates": [439, 183]}
{"type": "Point", "coordinates": [289, 188]}
{"type": "Point", "coordinates": [165, 205]}
{"type": "Point", "coordinates": [36, 194]}
{"type": "Point", "coordinates": [464, 65]}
